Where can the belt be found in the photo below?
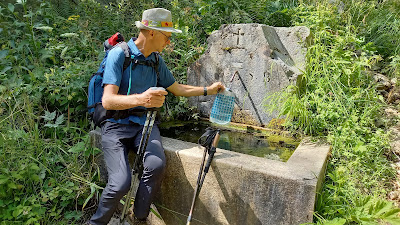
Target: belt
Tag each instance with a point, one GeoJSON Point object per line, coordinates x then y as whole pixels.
{"type": "Point", "coordinates": [122, 114]}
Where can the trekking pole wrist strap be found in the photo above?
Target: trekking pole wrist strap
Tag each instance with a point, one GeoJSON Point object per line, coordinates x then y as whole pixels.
{"type": "Point", "coordinates": [206, 140]}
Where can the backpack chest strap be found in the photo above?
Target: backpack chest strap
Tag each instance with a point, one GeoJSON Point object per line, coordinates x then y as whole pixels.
{"type": "Point", "coordinates": [149, 63]}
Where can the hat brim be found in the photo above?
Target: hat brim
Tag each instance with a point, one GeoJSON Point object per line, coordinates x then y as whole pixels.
{"type": "Point", "coordinates": [166, 29]}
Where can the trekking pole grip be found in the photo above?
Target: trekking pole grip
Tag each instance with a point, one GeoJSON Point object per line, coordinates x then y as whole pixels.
{"type": "Point", "coordinates": [156, 88]}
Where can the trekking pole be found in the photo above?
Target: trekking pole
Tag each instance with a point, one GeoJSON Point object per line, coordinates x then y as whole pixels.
{"type": "Point", "coordinates": [137, 166]}
{"type": "Point", "coordinates": [210, 144]}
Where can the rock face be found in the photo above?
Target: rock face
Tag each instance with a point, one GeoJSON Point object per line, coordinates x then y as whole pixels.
{"type": "Point", "coordinates": [388, 88]}
{"type": "Point", "coordinates": [262, 61]}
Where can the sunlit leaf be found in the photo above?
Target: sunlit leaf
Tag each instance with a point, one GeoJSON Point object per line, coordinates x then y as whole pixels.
{"type": "Point", "coordinates": [79, 147]}
{"type": "Point", "coordinates": [34, 167]}
{"type": "Point", "coordinates": [11, 7]}
{"type": "Point", "coordinates": [7, 68]}
{"type": "Point", "coordinates": [336, 221]}
{"type": "Point", "coordinates": [17, 212]}
{"type": "Point", "coordinates": [68, 35]}
{"type": "Point", "coordinates": [49, 116]}
{"type": "Point", "coordinates": [50, 125]}
{"type": "Point", "coordinates": [42, 174]}
{"type": "Point", "coordinates": [17, 175]}
{"type": "Point", "coordinates": [44, 28]}
{"type": "Point", "coordinates": [12, 185]}
{"type": "Point", "coordinates": [3, 53]}
{"type": "Point", "coordinates": [92, 191]}
{"type": "Point", "coordinates": [63, 52]}
{"type": "Point", "coordinates": [21, 2]}
{"type": "Point", "coordinates": [35, 177]}
{"type": "Point", "coordinates": [59, 120]}
{"type": "Point", "coordinates": [73, 214]}
{"type": "Point", "coordinates": [3, 179]}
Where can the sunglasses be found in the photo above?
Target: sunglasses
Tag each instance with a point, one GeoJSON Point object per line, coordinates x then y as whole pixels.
{"type": "Point", "coordinates": [169, 38]}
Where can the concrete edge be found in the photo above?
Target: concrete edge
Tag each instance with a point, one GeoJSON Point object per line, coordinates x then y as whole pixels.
{"type": "Point", "coordinates": [306, 164]}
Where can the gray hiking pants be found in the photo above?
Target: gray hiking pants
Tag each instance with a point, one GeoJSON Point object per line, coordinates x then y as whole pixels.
{"type": "Point", "coordinates": [117, 139]}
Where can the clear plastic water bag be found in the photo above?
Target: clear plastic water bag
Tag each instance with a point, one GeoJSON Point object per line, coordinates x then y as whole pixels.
{"type": "Point", "coordinates": [222, 109]}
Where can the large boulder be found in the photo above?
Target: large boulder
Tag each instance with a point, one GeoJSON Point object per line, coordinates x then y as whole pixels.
{"type": "Point", "coordinates": [262, 60]}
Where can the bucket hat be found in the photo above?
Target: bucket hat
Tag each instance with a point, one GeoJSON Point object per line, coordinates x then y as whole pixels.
{"type": "Point", "coordinates": [157, 19]}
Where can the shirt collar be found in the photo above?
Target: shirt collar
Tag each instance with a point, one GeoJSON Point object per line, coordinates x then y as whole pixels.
{"type": "Point", "coordinates": [137, 53]}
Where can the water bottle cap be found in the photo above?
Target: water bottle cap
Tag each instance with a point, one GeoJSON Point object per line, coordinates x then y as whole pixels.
{"type": "Point", "coordinates": [228, 92]}
{"type": "Point", "coordinates": [157, 88]}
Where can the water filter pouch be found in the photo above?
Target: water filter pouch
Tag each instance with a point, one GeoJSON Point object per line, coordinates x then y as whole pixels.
{"type": "Point", "coordinates": [222, 109]}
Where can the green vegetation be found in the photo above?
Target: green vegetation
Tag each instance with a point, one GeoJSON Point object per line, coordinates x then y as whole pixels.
{"type": "Point", "coordinates": [337, 101]}
{"type": "Point", "coordinates": [49, 49]}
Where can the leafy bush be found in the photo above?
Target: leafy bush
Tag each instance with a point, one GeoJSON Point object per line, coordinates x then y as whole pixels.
{"type": "Point", "coordinates": [337, 101]}
{"type": "Point", "coordinates": [42, 61]}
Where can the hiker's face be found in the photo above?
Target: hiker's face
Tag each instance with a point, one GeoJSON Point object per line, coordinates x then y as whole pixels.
{"type": "Point", "coordinates": [164, 39]}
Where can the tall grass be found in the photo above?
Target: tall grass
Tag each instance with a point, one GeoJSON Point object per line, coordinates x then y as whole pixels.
{"type": "Point", "coordinates": [337, 101]}
{"type": "Point", "coordinates": [43, 124]}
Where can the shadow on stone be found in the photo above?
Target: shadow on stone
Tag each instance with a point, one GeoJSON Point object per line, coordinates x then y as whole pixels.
{"type": "Point", "coordinates": [235, 216]}
{"type": "Point", "coordinates": [177, 213]}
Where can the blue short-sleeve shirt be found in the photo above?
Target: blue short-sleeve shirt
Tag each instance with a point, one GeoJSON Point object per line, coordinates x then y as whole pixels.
{"type": "Point", "coordinates": [141, 78]}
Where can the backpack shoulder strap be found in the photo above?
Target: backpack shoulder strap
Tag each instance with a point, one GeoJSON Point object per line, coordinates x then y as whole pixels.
{"type": "Point", "coordinates": [127, 53]}
{"type": "Point", "coordinates": [124, 47]}
{"type": "Point", "coordinates": [149, 63]}
{"type": "Point", "coordinates": [155, 66]}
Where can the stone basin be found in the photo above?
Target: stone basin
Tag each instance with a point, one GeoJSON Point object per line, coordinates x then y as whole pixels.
{"type": "Point", "coordinates": [239, 189]}
{"type": "Point", "coordinates": [257, 61]}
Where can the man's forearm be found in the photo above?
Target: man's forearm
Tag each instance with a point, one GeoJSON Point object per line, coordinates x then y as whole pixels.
{"type": "Point", "coordinates": [121, 102]}
{"type": "Point", "coordinates": [149, 99]}
{"type": "Point", "coordinates": [188, 90]}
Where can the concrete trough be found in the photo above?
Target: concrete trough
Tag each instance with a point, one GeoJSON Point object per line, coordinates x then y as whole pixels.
{"type": "Point", "coordinates": [239, 189]}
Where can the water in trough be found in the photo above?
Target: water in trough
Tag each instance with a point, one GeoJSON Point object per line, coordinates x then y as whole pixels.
{"type": "Point", "coordinates": [249, 141]}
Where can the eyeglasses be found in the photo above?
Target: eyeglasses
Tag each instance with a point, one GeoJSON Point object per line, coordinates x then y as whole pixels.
{"type": "Point", "coordinates": [168, 38]}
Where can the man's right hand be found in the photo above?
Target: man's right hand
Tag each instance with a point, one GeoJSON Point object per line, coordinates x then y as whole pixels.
{"type": "Point", "coordinates": [153, 98]}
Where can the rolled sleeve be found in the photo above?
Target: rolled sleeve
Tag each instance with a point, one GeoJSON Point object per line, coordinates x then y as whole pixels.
{"type": "Point", "coordinates": [113, 69]}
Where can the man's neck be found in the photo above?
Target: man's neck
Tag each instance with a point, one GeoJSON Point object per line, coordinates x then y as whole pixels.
{"type": "Point", "coordinates": [143, 45]}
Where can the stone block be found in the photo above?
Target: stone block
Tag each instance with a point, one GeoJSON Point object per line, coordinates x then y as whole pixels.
{"type": "Point", "coordinates": [241, 189]}
{"type": "Point", "coordinates": [262, 60]}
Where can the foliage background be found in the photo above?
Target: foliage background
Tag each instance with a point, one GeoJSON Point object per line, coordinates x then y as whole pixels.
{"type": "Point", "coordinates": [49, 49]}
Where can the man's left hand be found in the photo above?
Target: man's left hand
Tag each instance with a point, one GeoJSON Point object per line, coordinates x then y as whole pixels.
{"type": "Point", "coordinates": [215, 88]}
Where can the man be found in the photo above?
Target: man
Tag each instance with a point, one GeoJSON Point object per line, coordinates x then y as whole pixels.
{"type": "Point", "coordinates": [129, 89]}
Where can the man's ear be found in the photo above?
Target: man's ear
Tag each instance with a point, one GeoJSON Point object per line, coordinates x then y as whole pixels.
{"type": "Point", "coordinates": [151, 33]}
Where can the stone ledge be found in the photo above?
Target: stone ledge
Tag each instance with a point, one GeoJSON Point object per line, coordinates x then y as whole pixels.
{"type": "Point", "coordinates": [239, 188]}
